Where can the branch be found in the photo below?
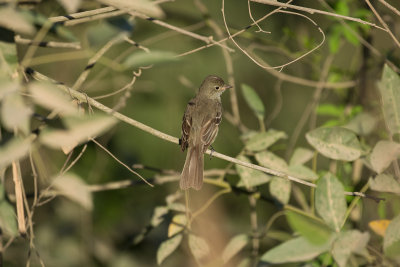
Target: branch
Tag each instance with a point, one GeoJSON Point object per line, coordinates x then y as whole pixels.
{"type": "Point", "coordinates": [50, 44]}
{"type": "Point", "coordinates": [84, 98]}
{"type": "Point", "coordinates": [316, 11]}
{"type": "Point", "coordinates": [383, 23]}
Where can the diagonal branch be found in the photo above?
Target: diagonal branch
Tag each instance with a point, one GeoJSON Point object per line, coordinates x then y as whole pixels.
{"type": "Point", "coordinates": [84, 98]}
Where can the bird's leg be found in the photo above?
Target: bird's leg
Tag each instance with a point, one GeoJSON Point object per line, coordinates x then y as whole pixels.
{"type": "Point", "coordinates": [212, 150]}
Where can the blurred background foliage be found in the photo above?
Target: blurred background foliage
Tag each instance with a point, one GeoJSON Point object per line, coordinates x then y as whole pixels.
{"type": "Point", "coordinates": [335, 85]}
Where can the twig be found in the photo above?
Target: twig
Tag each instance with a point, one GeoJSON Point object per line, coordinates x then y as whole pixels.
{"type": "Point", "coordinates": [310, 107]}
{"type": "Point", "coordinates": [207, 40]}
{"type": "Point", "coordinates": [83, 14]}
{"type": "Point", "coordinates": [278, 103]}
{"type": "Point", "coordinates": [386, 4]}
{"type": "Point", "coordinates": [301, 81]}
{"type": "Point", "coordinates": [63, 171]}
{"type": "Point", "coordinates": [361, 39]}
{"type": "Point", "coordinates": [50, 44]}
{"type": "Point", "coordinates": [120, 162]}
{"type": "Point", "coordinates": [35, 180]}
{"type": "Point", "coordinates": [383, 23]}
{"type": "Point", "coordinates": [255, 22]}
{"type": "Point", "coordinates": [316, 11]}
{"type": "Point", "coordinates": [93, 61]}
{"type": "Point", "coordinates": [84, 98]}
{"type": "Point", "coordinates": [254, 228]}
{"type": "Point", "coordinates": [19, 199]}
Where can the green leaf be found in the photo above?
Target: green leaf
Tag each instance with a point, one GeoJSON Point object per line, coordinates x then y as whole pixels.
{"type": "Point", "coordinates": [158, 215]}
{"type": "Point", "coordinates": [384, 183]}
{"type": "Point", "coordinates": [295, 250]}
{"type": "Point", "coordinates": [198, 246]}
{"type": "Point", "coordinates": [15, 114]}
{"type": "Point", "coordinates": [52, 98]}
{"type": "Point", "coordinates": [330, 110]}
{"type": "Point", "coordinates": [144, 6]}
{"type": "Point", "coordinates": [272, 161]}
{"type": "Point", "coordinates": [349, 35]}
{"type": "Point", "coordinates": [334, 41]}
{"type": "Point", "coordinates": [383, 154]}
{"type": "Point", "coordinates": [312, 228]}
{"type": "Point", "coordinates": [15, 149]}
{"type": "Point", "coordinates": [280, 189]}
{"type": "Point", "coordinates": [263, 140]}
{"type": "Point", "coordinates": [167, 247]}
{"type": "Point", "coordinates": [250, 177]}
{"type": "Point", "coordinates": [348, 242]}
{"type": "Point", "coordinates": [142, 58]}
{"type": "Point", "coordinates": [236, 244]}
{"type": "Point", "coordinates": [335, 143]}
{"type": "Point", "coordinates": [253, 100]}
{"type": "Point", "coordinates": [300, 156]}
{"type": "Point", "coordinates": [362, 124]}
{"type": "Point", "coordinates": [330, 201]}
{"type": "Point", "coordinates": [177, 224]}
{"type": "Point", "coordinates": [302, 172]}
{"type": "Point", "coordinates": [8, 219]}
{"type": "Point", "coordinates": [389, 87]}
{"type": "Point", "coordinates": [80, 130]}
{"type": "Point", "coordinates": [342, 8]}
{"type": "Point", "coordinates": [391, 241]}
{"type": "Point", "coordinates": [74, 188]}
{"type": "Point", "coordinates": [14, 21]}
{"type": "Point", "coordinates": [8, 63]}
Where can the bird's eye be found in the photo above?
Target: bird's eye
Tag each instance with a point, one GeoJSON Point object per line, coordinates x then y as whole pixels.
{"type": "Point", "coordinates": [216, 87]}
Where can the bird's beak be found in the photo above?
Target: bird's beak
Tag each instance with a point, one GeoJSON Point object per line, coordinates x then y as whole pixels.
{"type": "Point", "coordinates": [227, 86]}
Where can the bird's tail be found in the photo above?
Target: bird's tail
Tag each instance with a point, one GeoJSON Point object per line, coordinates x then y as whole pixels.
{"type": "Point", "coordinates": [192, 174]}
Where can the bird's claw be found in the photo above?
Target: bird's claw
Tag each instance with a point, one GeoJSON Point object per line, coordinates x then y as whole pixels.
{"type": "Point", "coordinates": [212, 150]}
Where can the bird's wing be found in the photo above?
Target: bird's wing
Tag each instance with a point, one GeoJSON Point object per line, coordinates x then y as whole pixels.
{"type": "Point", "coordinates": [187, 124]}
{"type": "Point", "coordinates": [209, 130]}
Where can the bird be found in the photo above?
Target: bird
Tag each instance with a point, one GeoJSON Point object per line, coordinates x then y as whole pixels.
{"type": "Point", "coordinates": [200, 124]}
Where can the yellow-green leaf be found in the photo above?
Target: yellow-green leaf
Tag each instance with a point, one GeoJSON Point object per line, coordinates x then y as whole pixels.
{"type": "Point", "coordinates": [74, 188]}
{"type": "Point", "coordinates": [389, 87]}
{"type": "Point", "coordinates": [335, 143]}
{"type": "Point", "coordinates": [330, 201]}
{"type": "Point", "coordinates": [167, 247]}
{"type": "Point", "coordinates": [253, 100]}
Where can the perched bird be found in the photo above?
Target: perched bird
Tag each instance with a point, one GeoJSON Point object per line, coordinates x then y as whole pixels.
{"type": "Point", "coordinates": [202, 117]}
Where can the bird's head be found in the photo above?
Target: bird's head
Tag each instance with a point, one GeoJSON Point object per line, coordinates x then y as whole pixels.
{"type": "Point", "coordinates": [213, 86]}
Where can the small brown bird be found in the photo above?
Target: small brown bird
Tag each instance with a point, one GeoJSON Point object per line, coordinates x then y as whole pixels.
{"type": "Point", "coordinates": [202, 117]}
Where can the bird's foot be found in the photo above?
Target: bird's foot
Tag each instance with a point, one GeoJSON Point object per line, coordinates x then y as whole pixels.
{"type": "Point", "coordinates": [212, 151]}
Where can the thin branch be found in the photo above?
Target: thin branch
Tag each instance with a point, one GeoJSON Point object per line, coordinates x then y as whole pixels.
{"type": "Point", "coordinates": [310, 107]}
{"type": "Point", "coordinates": [84, 98]}
{"type": "Point", "coordinates": [81, 79]}
{"type": "Point", "coordinates": [50, 44]}
{"type": "Point", "coordinates": [386, 4]}
{"type": "Point", "coordinates": [315, 11]}
{"type": "Point", "coordinates": [206, 39]}
{"type": "Point", "coordinates": [63, 171]}
{"type": "Point", "coordinates": [83, 14]}
{"type": "Point", "coordinates": [383, 23]}
{"type": "Point", "coordinates": [19, 199]}
{"type": "Point", "coordinates": [255, 22]}
{"type": "Point", "coordinates": [360, 38]}
{"type": "Point", "coordinates": [120, 162]}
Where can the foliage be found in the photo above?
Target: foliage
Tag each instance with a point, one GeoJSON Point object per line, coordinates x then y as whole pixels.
{"type": "Point", "coordinates": [90, 89]}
